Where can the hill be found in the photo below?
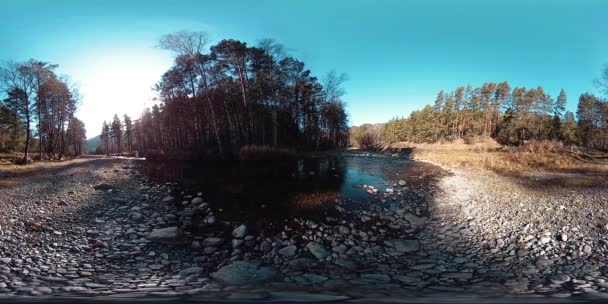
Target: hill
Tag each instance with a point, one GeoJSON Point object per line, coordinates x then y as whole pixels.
{"type": "Point", "coordinates": [92, 144]}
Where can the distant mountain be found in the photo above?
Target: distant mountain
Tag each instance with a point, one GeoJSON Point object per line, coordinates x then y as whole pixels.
{"type": "Point", "coordinates": [92, 144]}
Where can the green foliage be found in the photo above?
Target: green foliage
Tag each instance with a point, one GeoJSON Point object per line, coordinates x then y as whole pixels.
{"type": "Point", "coordinates": [510, 116]}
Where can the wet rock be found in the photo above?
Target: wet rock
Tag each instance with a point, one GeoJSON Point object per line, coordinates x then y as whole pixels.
{"type": "Point", "coordinates": [191, 271]}
{"type": "Point", "coordinates": [288, 251]}
{"type": "Point", "coordinates": [168, 200]}
{"type": "Point", "coordinates": [168, 236]}
{"type": "Point", "coordinates": [239, 232]}
{"type": "Point", "coordinates": [317, 250]}
{"type": "Point", "coordinates": [301, 264]}
{"type": "Point", "coordinates": [241, 272]}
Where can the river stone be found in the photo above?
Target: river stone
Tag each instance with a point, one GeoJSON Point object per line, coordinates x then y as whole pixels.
{"type": "Point", "coordinates": [239, 232]}
{"type": "Point", "coordinates": [168, 199]}
{"type": "Point", "coordinates": [191, 271]}
{"type": "Point", "coordinates": [212, 242]}
{"type": "Point", "coordinates": [317, 250]}
{"type": "Point", "coordinates": [403, 245]}
{"type": "Point", "coordinates": [241, 272]}
{"type": "Point", "coordinates": [288, 251]}
{"type": "Point", "coordinates": [401, 182]}
{"type": "Point", "coordinates": [197, 201]}
{"type": "Point", "coordinates": [137, 217]}
{"type": "Point", "coordinates": [168, 236]}
{"type": "Point", "coordinates": [415, 221]}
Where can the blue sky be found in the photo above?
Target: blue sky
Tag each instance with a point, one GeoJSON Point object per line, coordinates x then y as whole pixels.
{"type": "Point", "coordinates": [397, 54]}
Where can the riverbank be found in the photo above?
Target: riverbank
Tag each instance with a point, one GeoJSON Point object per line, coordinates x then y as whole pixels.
{"type": "Point", "coordinates": [101, 228]}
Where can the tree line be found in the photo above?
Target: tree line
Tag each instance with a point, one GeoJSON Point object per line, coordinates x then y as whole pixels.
{"type": "Point", "coordinates": [37, 111]}
{"type": "Point", "coordinates": [216, 99]}
{"type": "Point", "coordinates": [509, 115]}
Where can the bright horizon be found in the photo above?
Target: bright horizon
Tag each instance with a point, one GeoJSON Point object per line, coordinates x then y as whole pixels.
{"type": "Point", "coordinates": [397, 55]}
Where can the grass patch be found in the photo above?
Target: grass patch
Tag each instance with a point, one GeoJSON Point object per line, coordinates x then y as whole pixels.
{"type": "Point", "coordinates": [533, 156]}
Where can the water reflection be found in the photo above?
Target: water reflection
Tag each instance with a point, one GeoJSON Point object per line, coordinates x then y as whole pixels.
{"type": "Point", "coordinates": [261, 191]}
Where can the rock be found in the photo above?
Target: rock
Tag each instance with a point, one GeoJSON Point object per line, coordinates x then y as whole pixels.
{"type": "Point", "coordinates": [239, 232]}
{"type": "Point", "coordinates": [559, 279]}
{"type": "Point", "coordinates": [168, 236]}
{"type": "Point", "coordinates": [137, 217]}
{"type": "Point", "coordinates": [587, 249]}
{"type": "Point", "coordinates": [389, 190]}
{"type": "Point", "coordinates": [242, 272]}
{"type": "Point", "coordinates": [168, 199]}
{"type": "Point", "coordinates": [404, 245]}
{"type": "Point", "coordinates": [6, 260]}
{"type": "Point", "coordinates": [415, 221]}
{"type": "Point", "coordinates": [545, 239]}
{"type": "Point", "coordinates": [563, 237]}
{"type": "Point", "coordinates": [401, 182]}
{"type": "Point", "coordinates": [288, 251]}
{"type": "Point", "coordinates": [265, 246]}
{"type": "Point", "coordinates": [317, 250]}
{"type": "Point", "coordinates": [236, 243]}
{"type": "Point", "coordinates": [191, 271]}
{"type": "Point", "coordinates": [197, 201]}
{"type": "Point", "coordinates": [376, 277]}
{"type": "Point", "coordinates": [522, 252]}
{"type": "Point", "coordinates": [212, 242]}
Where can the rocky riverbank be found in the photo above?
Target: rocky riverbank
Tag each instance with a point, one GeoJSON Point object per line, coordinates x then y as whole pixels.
{"type": "Point", "coordinates": [100, 228]}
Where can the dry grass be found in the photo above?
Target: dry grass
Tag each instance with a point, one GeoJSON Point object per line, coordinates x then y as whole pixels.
{"type": "Point", "coordinates": [532, 156]}
{"type": "Point", "coordinates": [10, 167]}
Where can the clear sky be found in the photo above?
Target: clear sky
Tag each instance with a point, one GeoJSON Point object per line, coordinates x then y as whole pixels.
{"type": "Point", "coordinates": [398, 54]}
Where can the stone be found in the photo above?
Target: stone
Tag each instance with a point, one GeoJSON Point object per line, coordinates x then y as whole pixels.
{"type": "Point", "coordinates": [545, 239]}
{"type": "Point", "coordinates": [197, 201]}
{"type": "Point", "coordinates": [587, 249]}
{"type": "Point", "coordinates": [242, 272]}
{"type": "Point", "coordinates": [404, 245]}
{"type": "Point", "coordinates": [137, 217]}
{"type": "Point", "coordinates": [317, 250]}
{"type": "Point", "coordinates": [6, 260]}
{"type": "Point", "coordinates": [212, 242]}
{"type": "Point", "coordinates": [401, 182]}
{"type": "Point", "coordinates": [564, 237]}
{"type": "Point", "coordinates": [236, 243]}
{"type": "Point", "coordinates": [168, 199]}
{"type": "Point", "coordinates": [414, 220]}
{"type": "Point", "coordinates": [168, 236]}
{"type": "Point", "coordinates": [239, 232]}
{"type": "Point", "coordinates": [191, 271]}
{"type": "Point", "coordinates": [288, 250]}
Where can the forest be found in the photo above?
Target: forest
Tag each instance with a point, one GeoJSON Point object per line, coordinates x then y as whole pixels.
{"type": "Point", "coordinates": [217, 99]}
{"type": "Point", "coordinates": [511, 116]}
{"type": "Point", "coordinates": [37, 113]}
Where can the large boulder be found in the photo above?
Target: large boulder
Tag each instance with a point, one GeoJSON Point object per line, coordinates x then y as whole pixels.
{"type": "Point", "coordinates": [242, 272]}
{"type": "Point", "coordinates": [169, 236]}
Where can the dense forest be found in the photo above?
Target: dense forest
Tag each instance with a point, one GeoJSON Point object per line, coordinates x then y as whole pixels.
{"type": "Point", "coordinates": [511, 116]}
{"type": "Point", "coordinates": [37, 112]}
{"type": "Point", "coordinates": [217, 100]}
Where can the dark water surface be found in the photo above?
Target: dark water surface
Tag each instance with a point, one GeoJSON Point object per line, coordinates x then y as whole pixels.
{"type": "Point", "coordinates": [260, 191]}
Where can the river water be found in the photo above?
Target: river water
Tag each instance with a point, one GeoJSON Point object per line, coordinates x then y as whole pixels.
{"type": "Point", "coordinates": [312, 187]}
